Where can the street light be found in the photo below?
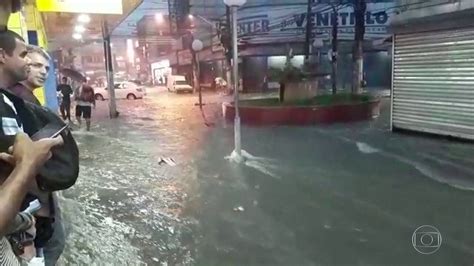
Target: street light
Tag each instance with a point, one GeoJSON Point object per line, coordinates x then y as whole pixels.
{"type": "Point", "coordinates": [84, 18]}
{"type": "Point", "coordinates": [79, 28]}
{"type": "Point", "coordinates": [234, 5]}
{"type": "Point", "coordinates": [159, 18]}
{"type": "Point", "coordinates": [77, 36]}
{"type": "Point", "coordinates": [197, 46]}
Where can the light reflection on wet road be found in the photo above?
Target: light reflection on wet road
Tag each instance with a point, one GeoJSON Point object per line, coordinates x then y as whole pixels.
{"type": "Point", "coordinates": [126, 207]}
{"type": "Point", "coordinates": [338, 195]}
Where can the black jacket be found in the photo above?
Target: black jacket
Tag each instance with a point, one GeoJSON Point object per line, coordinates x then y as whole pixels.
{"type": "Point", "coordinates": [62, 170]}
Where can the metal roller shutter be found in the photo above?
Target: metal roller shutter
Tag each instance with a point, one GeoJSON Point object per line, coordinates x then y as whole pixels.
{"type": "Point", "coordinates": [433, 82]}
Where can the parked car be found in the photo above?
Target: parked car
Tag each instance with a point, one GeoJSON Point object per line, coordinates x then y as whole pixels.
{"type": "Point", "coordinates": [123, 90]}
{"type": "Point", "coordinates": [178, 83]}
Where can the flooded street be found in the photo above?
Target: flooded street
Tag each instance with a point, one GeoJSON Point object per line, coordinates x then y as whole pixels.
{"type": "Point", "coordinates": [325, 195]}
{"type": "Point", "coordinates": [126, 209]}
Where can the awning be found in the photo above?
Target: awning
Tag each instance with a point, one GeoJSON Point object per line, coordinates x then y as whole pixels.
{"type": "Point", "coordinates": [60, 25]}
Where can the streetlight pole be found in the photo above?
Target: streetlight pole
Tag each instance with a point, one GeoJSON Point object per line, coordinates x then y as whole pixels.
{"type": "Point", "coordinates": [234, 5]}
{"type": "Point", "coordinates": [109, 68]}
{"type": "Point", "coordinates": [309, 30]}
{"type": "Point", "coordinates": [334, 54]}
{"type": "Point", "coordinates": [235, 62]}
{"type": "Point", "coordinates": [197, 46]}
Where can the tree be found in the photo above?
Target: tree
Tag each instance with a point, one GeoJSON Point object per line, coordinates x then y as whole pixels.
{"type": "Point", "coordinates": [360, 8]}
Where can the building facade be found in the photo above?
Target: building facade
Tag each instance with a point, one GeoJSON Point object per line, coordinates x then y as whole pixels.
{"type": "Point", "coordinates": [29, 24]}
{"type": "Point", "coordinates": [433, 67]}
{"type": "Point", "coordinates": [267, 31]}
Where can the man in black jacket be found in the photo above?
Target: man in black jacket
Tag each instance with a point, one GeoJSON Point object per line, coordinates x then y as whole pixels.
{"type": "Point", "coordinates": [49, 223]}
{"type": "Point", "coordinates": [19, 116]}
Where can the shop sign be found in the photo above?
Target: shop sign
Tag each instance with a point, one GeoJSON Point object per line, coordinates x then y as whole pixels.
{"type": "Point", "coordinates": [161, 64]}
{"type": "Point", "coordinates": [81, 6]}
{"type": "Point", "coordinates": [283, 22]}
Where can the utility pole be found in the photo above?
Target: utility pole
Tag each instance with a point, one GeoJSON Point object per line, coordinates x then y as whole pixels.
{"type": "Point", "coordinates": [195, 62]}
{"type": "Point", "coordinates": [197, 46]}
{"type": "Point", "coordinates": [198, 75]}
{"type": "Point", "coordinates": [335, 24]}
{"type": "Point", "coordinates": [110, 69]}
{"type": "Point", "coordinates": [360, 8]}
{"type": "Point", "coordinates": [228, 55]}
{"type": "Point", "coordinates": [235, 68]}
{"type": "Point", "coordinates": [309, 30]}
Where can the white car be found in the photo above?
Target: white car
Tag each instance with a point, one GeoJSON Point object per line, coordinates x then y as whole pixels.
{"type": "Point", "coordinates": [178, 83]}
{"type": "Point", "coordinates": [123, 90]}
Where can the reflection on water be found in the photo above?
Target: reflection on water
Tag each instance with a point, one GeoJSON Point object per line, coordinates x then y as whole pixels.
{"type": "Point", "coordinates": [334, 195]}
{"type": "Point", "coordinates": [126, 207]}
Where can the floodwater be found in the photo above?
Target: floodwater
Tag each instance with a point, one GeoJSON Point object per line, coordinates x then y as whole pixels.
{"type": "Point", "coordinates": [325, 195]}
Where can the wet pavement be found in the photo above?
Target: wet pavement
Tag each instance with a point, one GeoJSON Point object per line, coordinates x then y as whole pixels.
{"type": "Point", "coordinates": [324, 195]}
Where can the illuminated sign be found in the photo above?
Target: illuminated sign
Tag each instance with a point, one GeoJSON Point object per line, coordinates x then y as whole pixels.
{"type": "Point", "coordinates": [288, 23]}
{"type": "Point", "coordinates": [81, 6]}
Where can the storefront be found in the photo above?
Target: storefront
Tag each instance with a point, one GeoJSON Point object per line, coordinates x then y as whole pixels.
{"type": "Point", "coordinates": [160, 70]}
{"type": "Point", "coordinates": [433, 77]}
{"type": "Point", "coordinates": [268, 32]}
{"type": "Point", "coordinates": [211, 65]}
{"type": "Point", "coordinates": [184, 64]}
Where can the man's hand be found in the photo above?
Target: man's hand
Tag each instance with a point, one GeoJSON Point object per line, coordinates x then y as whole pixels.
{"type": "Point", "coordinates": [27, 157]}
{"type": "Point", "coordinates": [26, 151]}
{"type": "Point", "coordinates": [30, 250]}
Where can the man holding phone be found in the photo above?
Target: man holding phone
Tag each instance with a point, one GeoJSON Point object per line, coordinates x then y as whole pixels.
{"type": "Point", "coordinates": [17, 116]}
{"type": "Point", "coordinates": [25, 157]}
{"type": "Point", "coordinates": [49, 225]}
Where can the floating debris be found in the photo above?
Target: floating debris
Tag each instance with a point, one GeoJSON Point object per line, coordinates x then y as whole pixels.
{"type": "Point", "coordinates": [366, 148]}
{"type": "Point", "coordinates": [167, 160]}
{"type": "Point", "coordinates": [239, 209]}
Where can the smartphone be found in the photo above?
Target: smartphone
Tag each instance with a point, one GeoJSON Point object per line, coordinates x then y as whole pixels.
{"type": "Point", "coordinates": [33, 207]}
{"type": "Point", "coordinates": [49, 131]}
